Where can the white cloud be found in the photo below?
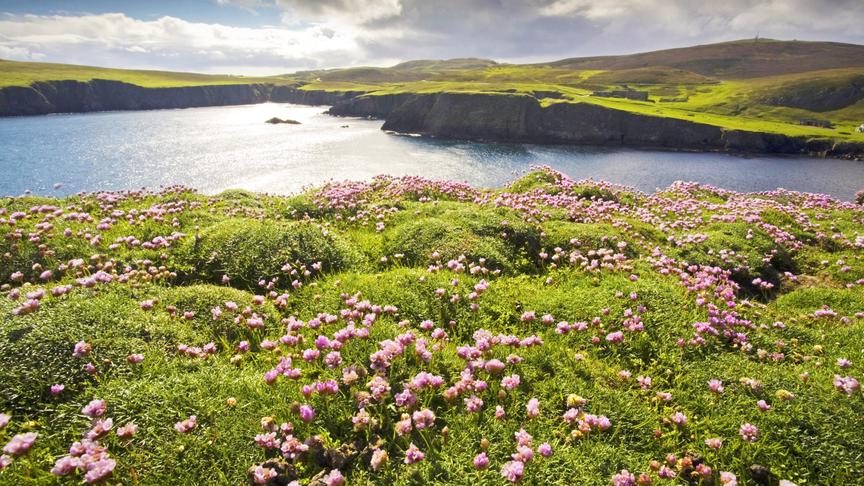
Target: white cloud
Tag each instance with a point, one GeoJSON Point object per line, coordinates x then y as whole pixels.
{"type": "Point", "coordinates": [102, 39]}
{"type": "Point", "coordinates": [310, 34]}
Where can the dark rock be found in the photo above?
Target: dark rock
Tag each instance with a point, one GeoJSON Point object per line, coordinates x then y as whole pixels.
{"type": "Point", "coordinates": [285, 472]}
{"type": "Point", "coordinates": [276, 120]}
{"type": "Point", "coordinates": [760, 474]}
{"type": "Point", "coordinates": [331, 458]}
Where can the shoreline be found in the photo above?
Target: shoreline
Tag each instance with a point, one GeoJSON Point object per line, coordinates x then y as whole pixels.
{"type": "Point", "coordinates": [475, 117]}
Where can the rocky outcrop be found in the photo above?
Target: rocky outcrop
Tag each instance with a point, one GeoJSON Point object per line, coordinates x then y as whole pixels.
{"type": "Point", "coordinates": [521, 118]}
{"type": "Point", "coordinates": [104, 95]}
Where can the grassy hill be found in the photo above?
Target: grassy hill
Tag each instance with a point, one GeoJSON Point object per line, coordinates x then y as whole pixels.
{"type": "Point", "coordinates": [14, 73]}
{"type": "Point", "coordinates": [405, 331]}
{"type": "Point", "coordinates": [765, 85]}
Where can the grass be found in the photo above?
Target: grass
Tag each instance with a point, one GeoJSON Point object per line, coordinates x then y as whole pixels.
{"type": "Point", "coordinates": [13, 73]}
{"type": "Point", "coordinates": [673, 272]}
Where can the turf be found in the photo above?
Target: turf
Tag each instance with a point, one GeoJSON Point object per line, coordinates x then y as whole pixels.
{"type": "Point", "coordinates": [583, 289]}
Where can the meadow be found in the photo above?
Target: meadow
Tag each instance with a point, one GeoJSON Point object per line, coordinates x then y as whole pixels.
{"type": "Point", "coordinates": [408, 331]}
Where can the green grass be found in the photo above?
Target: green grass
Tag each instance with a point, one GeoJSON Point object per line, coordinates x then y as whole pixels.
{"type": "Point", "coordinates": [14, 73]}
{"type": "Point", "coordinates": [532, 243]}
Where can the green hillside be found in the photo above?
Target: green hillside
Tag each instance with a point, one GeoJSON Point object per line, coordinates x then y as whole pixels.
{"type": "Point", "coordinates": [14, 73]}
{"type": "Point", "coordinates": [783, 87]}
{"type": "Point", "coordinates": [406, 331]}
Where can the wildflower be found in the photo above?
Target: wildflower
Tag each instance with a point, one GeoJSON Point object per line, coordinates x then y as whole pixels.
{"type": "Point", "coordinates": [82, 349]}
{"type": "Point", "coordinates": [424, 419]}
{"type": "Point", "coordinates": [624, 478]}
{"type": "Point", "coordinates": [545, 449]}
{"type": "Point", "coordinates": [96, 408]}
{"type": "Point", "coordinates": [533, 408]}
{"type": "Point", "coordinates": [20, 444]}
{"type": "Point", "coordinates": [413, 454]}
{"type": "Point", "coordinates": [57, 389]}
{"type": "Point", "coordinates": [679, 419]}
{"type": "Point", "coordinates": [714, 443]}
{"type": "Point", "coordinates": [135, 358]}
{"type": "Point", "coordinates": [500, 414]}
{"type": "Point", "coordinates": [763, 405]}
{"type": "Point", "coordinates": [728, 479]}
{"type": "Point", "coordinates": [473, 403]}
{"type": "Point", "coordinates": [127, 431]}
{"type": "Point", "coordinates": [510, 382]}
{"type": "Point", "coordinates": [379, 458]}
{"type": "Point", "coordinates": [513, 471]}
{"type": "Point", "coordinates": [99, 470]}
{"type": "Point", "coordinates": [481, 461]}
{"type": "Point", "coordinates": [307, 413]}
{"type": "Point", "coordinates": [716, 386]}
{"type": "Point", "coordinates": [334, 478]}
{"type": "Point", "coordinates": [263, 475]}
{"type": "Point", "coordinates": [749, 432]}
{"type": "Point", "coordinates": [187, 425]}
{"type": "Point", "coordinates": [4, 420]}
{"type": "Point", "coordinates": [846, 384]}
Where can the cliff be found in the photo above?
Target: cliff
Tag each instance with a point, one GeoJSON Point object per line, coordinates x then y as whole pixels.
{"type": "Point", "coordinates": [506, 117]}
{"type": "Point", "coordinates": [103, 95]}
{"type": "Point", "coordinates": [521, 118]}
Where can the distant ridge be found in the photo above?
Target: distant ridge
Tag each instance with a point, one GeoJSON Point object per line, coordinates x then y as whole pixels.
{"type": "Point", "coordinates": [748, 58]}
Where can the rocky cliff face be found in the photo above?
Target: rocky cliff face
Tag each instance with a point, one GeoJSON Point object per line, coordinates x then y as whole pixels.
{"type": "Point", "coordinates": [103, 95]}
{"type": "Point", "coordinates": [506, 117]}
{"type": "Point", "coordinates": [521, 118]}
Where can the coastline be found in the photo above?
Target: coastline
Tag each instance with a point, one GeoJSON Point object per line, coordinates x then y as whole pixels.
{"type": "Point", "coordinates": [509, 118]}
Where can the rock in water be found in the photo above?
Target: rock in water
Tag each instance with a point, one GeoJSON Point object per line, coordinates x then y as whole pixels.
{"type": "Point", "coordinates": [276, 120]}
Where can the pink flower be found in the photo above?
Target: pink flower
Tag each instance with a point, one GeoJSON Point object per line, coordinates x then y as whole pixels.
{"type": "Point", "coordinates": [533, 408]}
{"type": "Point", "coordinates": [716, 386]}
{"type": "Point", "coordinates": [728, 479]}
{"type": "Point", "coordinates": [616, 337]}
{"type": "Point", "coordinates": [679, 419]}
{"type": "Point", "coordinates": [127, 431]}
{"type": "Point", "coordinates": [500, 414]}
{"type": "Point", "coordinates": [187, 425]}
{"type": "Point", "coordinates": [335, 478]}
{"type": "Point", "coordinates": [513, 471]}
{"type": "Point", "coordinates": [99, 470]}
{"type": "Point", "coordinates": [545, 449]}
{"type": "Point", "coordinates": [135, 358]}
{"type": "Point", "coordinates": [307, 413]}
{"type": "Point", "coordinates": [424, 419]}
{"type": "Point", "coordinates": [481, 461]}
{"type": "Point", "coordinates": [624, 478]}
{"type": "Point", "coordinates": [263, 475]}
{"type": "Point", "coordinates": [473, 403]}
{"type": "Point", "coordinates": [763, 405]}
{"type": "Point", "coordinates": [413, 454]}
{"type": "Point", "coordinates": [379, 458]}
{"type": "Point", "coordinates": [57, 389]}
{"type": "Point", "coordinates": [714, 443]}
{"type": "Point", "coordinates": [510, 382]}
{"type": "Point", "coordinates": [20, 444]}
{"type": "Point", "coordinates": [749, 432]}
{"type": "Point", "coordinates": [96, 408]}
{"type": "Point", "coordinates": [81, 349]}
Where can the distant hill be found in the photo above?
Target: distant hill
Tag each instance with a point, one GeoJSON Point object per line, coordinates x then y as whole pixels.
{"type": "Point", "coordinates": [733, 60]}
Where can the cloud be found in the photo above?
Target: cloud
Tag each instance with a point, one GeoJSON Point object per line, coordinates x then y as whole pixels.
{"type": "Point", "coordinates": [117, 40]}
{"type": "Point", "coordinates": [309, 34]}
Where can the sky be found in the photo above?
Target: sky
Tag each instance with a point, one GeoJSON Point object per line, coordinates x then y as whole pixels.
{"type": "Point", "coordinates": [263, 37]}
